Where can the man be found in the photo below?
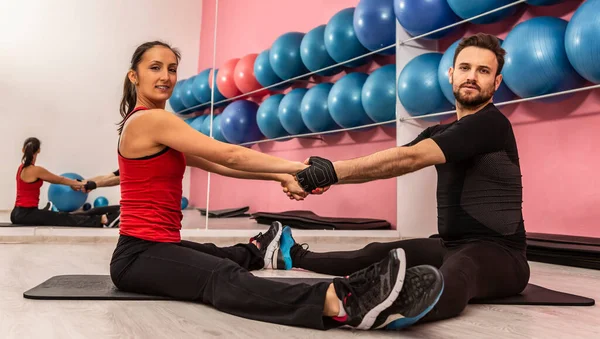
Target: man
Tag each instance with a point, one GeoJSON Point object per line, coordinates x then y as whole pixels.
{"type": "Point", "coordinates": [481, 249]}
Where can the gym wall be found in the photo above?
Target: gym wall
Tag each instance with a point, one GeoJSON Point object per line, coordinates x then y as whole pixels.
{"type": "Point", "coordinates": [245, 27]}
{"type": "Point", "coordinates": [63, 66]}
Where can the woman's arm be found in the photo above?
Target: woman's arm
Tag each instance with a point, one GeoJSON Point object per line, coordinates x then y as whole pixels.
{"type": "Point", "coordinates": [52, 178]}
{"type": "Point", "coordinates": [166, 129]}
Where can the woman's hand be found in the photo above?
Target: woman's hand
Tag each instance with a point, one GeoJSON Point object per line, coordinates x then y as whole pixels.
{"type": "Point", "coordinates": [291, 188]}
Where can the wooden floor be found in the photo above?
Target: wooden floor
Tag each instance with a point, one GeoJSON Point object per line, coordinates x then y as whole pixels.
{"type": "Point", "coordinates": [23, 266]}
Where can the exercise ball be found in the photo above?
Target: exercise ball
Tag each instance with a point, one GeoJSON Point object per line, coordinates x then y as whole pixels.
{"type": "Point", "coordinates": [218, 96]}
{"type": "Point", "coordinates": [267, 117]}
{"type": "Point", "coordinates": [225, 82]}
{"type": "Point", "coordinates": [187, 97]}
{"type": "Point", "coordinates": [197, 122]}
{"type": "Point", "coordinates": [175, 99]}
{"type": "Point", "coordinates": [375, 25]}
{"type": "Point", "coordinates": [582, 40]}
{"type": "Point", "coordinates": [502, 94]}
{"type": "Point", "coordinates": [205, 128]}
{"type": "Point", "coordinates": [243, 76]}
{"type": "Point", "coordinates": [419, 90]}
{"type": "Point", "coordinates": [184, 203]}
{"type": "Point", "coordinates": [345, 101]}
{"type": "Point", "coordinates": [284, 56]}
{"type": "Point", "coordinates": [238, 122]}
{"type": "Point", "coordinates": [341, 41]}
{"type": "Point", "coordinates": [87, 206]}
{"type": "Point", "coordinates": [216, 126]}
{"type": "Point", "coordinates": [200, 88]}
{"type": "Point", "coordinates": [543, 2]}
{"type": "Point", "coordinates": [100, 202]}
{"type": "Point", "coordinates": [468, 9]}
{"type": "Point", "coordinates": [379, 94]}
{"type": "Point", "coordinates": [315, 110]}
{"type": "Point", "coordinates": [264, 73]}
{"type": "Point", "coordinates": [54, 209]}
{"type": "Point", "coordinates": [424, 16]}
{"type": "Point", "coordinates": [64, 197]}
{"type": "Point", "coordinates": [289, 112]}
{"type": "Point", "coordinates": [314, 54]}
{"type": "Point", "coordinates": [536, 60]}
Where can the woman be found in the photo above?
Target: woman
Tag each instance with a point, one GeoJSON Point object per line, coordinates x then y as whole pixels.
{"type": "Point", "coordinates": [30, 179]}
{"type": "Point", "coordinates": [150, 257]}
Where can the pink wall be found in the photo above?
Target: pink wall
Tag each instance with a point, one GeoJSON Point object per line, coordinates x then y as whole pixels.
{"type": "Point", "coordinates": [251, 26]}
{"type": "Point", "coordinates": [556, 148]}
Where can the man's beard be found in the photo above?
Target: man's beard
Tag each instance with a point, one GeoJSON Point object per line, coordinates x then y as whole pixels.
{"type": "Point", "coordinates": [474, 101]}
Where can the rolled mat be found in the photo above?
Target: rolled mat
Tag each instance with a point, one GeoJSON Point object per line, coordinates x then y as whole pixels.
{"type": "Point", "coordinates": [100, 287]}
{"type": "Point", "coordinates": [310, 220]}
{"type": "Point", "coordinates": [226, 213]}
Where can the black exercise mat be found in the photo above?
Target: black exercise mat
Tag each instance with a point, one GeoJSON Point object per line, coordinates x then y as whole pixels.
{"type": "Point", "coordinates": [563, 239]}
{"type": "Point", "coordinates": [100, 287]}
{"type": "Point", "coordinates": [227, 213]}
{"type": "Point", "coordinates": [309, 220]}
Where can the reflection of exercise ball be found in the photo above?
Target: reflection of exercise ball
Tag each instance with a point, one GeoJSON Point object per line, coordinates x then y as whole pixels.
{"type": "Point", "coordinates": [64, 197]}
{"type": "Point", "coordinates": [582, 40]}
{"type": "Point", "coordinates": [216, 125]}
{"type": "Point", "coordinates": [238, 122]}
{"type": "Point", "coordinates": [542, 2]}
{"type": "Point", "coordinates": [314, 54]}
{"type": "Point", "coordinates": [419, 90]}
{"type": "Point", "coordinates": [225, 79]}
{"type": "Point", "coordinates": [267, 117]}
{"type": "Point", "coordinates": [502, 94]}
{"type": "Point", "coordinates": [468, 9]}
{"type": "Point", "coordinates": [197, 122]}
{"type": "Point", "coordinates": [184, 203]}
{"type": "Point", "coordinates": [379, 94]}
{"type": "Point", "coordinates": [375, 25]}
{"type": "Point", "coordinates": [536, 59]}
{"type": "Point", "coordinates": [289, 112]}
{"type": "Point", "coordinates": [341, 41]}
{"type": "Point", "coordinates": [100, 202]}
{"type": "Point", "coordinates": [423, 16]}
{"type": "Point", "coordinates": [200, 88]}
{"type": "Point", "coordinates": [87, 206]}
{"type": "Point", "coordinates": [345, 101]}
{"type": "Point", "coordinates": [175, 99]}
{"type": "Point", "coordinates": [187, 97]}
{"type": "Point", "coordinates": [315, 110]}
{"type": "Point", "coordinates": [284, 56]}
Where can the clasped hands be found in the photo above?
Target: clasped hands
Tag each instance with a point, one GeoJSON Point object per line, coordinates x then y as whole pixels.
{"type": "Point", "coordinates": [85, 187]}
{"type": "Point", "coordinates": [317, 178]}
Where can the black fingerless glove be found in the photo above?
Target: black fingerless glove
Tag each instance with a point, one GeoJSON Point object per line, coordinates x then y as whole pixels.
{"type": "Point", "coordinates": [90, 185]}
{"type": "Point", "coordinates": [321, 173]}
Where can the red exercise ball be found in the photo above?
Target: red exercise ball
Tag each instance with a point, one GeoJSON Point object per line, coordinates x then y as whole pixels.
{"type": "Point", "coordinates": [244, 76]}
{"type": "Point", "coordinates": [225, 82]}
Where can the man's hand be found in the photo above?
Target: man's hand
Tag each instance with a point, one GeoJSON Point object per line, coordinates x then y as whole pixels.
{"type": "Point", "coordinates": [292, 189]}
{"type": "Point", "coordinates": [321, 174]}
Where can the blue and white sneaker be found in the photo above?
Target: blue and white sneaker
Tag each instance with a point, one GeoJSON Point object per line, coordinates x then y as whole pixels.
{"type": "Point", "coordinates": [282, 260]}
{"type": "Point", "coordinates": [422, 289]}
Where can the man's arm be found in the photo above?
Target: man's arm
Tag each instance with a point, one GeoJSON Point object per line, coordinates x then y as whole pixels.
{"type": "Point", "coordinates": [107, 180]}
{"type": "Point", "coordinates": [389, 163]}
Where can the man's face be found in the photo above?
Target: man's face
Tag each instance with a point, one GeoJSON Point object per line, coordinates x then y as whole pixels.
{"type": "Point", "coordinates": [473, 78]}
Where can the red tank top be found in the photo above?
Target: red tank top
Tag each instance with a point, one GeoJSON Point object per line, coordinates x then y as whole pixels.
{"type": "Point", "coordinates": [151, 190]}
{"type": "Point", "coordinates": [28, 193]}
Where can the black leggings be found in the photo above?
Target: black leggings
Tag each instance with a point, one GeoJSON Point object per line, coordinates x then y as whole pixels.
{"type": "Point", "coordinates": [480, 269]}
{"type": "Point", "coordinates": [36, 217]}
{"type": "Point", "coordinates": [219, 277]}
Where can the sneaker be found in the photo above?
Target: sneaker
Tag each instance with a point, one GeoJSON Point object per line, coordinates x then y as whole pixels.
{"type": "Point", "coordinates": [370, 291]}
{"type": "Point", "coordinates": [282, 260]}
{"type": "Point", "coordinates": [114, 219]}
{"type": "Point", "coordinates": [48, 206]}
{"type": "Point", "coordinates": [423, 286]}
{"type": "Point", "coordinates": [268, 243]}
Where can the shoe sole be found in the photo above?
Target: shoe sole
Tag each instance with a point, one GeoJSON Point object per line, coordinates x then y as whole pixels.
{"type": "Point", "coordinates": [273, 246]}
{"type": "Point", "coordinates": [408, 321]}
{"type": "Point", "coordinates": [369, 318]}
{"type": "Point", "coordinates": [285, 247]}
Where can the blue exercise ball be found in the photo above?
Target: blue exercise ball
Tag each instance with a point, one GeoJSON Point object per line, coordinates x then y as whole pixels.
{"type": "Point", "coordinates": [468, 9]}
{"type": "Point", "coordinates": [314, 54]}
{"type": "Point", "coordinates": [502, 94]}
{"type": "Point", "coordinates": [419, 90]}
{"type": "Point", "coordinates": [379, 94]}
{"type": "Point", "coordinates": [423, 16]}
{"type": "Point", "coordinates": [375, 25]}
{"type": "Point", "coordinates": [238, 122]}
{"type": "Point", "coordinates": [536, 60]}
{"type": "Point", "coordinates": [216, 126]}
{"type": "Point", "coordinates": [175, 99]}
{"type": "Point", "coordinates": [86, 207]}
{"type": "Point", "coordinates": [543, 2]}
{"type": "Point", "coordinates": [289, 112]}
{"type": "Point", "coordinates": [184, 203]}
{"type": "Point", "coordinates": [267, 117]}
{"type": "Point", "coordinates": [314, 109]}
{"type": "Point", "coordinates": [264, 73]}
{"type": "Point", "coordinates": [205, 128]}
{"type": "Point", "coordinates": [345, 101]}
{"type": "Point", "coordinates": [341, 41]}
{"type": "Point", "coordinates": [217, 95]}
{"type": "Point", "coordinates": [187, 97]}
{"type": "Point", "coordinates": [54, 209]}
{"type": "Point", "coordinates": [582, 40]}
{"type": "Point", "coordinates": [284, 56]}
{"type": "Point", "coordinates": [200, 87]}
{"type": "Point", "coordinates": [197, 122]}
{"type": "Point", "coordinates": [64, 197]}
{"type": "Point", "coordinates": [100, 202]}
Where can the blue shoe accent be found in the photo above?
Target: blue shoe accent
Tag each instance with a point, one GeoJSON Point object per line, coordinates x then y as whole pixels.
{"type": "Point", "coordinates": [406, 322]}
{"type": "Point", "coordinates": [285, 245]}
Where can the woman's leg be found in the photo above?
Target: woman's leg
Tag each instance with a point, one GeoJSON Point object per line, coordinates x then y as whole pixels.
{"type": "Point", "coordinates": [36, 217]}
